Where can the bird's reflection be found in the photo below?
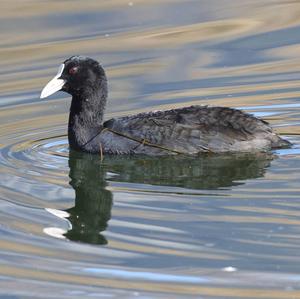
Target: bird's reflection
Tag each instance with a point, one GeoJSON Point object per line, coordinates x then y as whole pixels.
{"type": "Point", "coordinates": [93, 201]}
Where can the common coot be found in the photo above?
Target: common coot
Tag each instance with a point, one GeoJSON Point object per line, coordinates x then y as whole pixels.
{"type": "Point", "coordinates": [189, 130]}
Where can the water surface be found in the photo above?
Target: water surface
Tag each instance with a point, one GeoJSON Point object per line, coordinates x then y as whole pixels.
{"type": "Point", "coordinates": [219, 226]}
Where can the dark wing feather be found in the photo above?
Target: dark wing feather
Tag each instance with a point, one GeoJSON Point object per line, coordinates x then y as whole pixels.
{"type": "Point", "coordinates": [191, 129]}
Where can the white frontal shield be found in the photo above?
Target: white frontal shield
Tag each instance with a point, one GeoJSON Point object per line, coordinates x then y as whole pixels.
{"type": "Point", "coordinates": [54, 85]}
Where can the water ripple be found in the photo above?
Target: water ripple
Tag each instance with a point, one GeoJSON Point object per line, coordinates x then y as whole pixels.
{"type": "Point", "coordinates": [73, 226]}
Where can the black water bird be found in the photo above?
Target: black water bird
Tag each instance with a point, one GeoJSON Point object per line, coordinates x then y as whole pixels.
{"type": "Point", "coordinates": [189, 130]}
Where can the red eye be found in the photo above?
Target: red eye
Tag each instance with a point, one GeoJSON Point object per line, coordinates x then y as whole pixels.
{"type": "Point", "coordinates": [73, 70]}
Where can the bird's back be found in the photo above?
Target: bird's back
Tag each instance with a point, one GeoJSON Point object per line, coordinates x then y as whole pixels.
{"type": "Point", "coordinates": [195, 129]}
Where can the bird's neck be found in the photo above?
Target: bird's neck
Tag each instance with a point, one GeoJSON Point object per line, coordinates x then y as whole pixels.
{"type": "Point", "coordinates": [86, 116]}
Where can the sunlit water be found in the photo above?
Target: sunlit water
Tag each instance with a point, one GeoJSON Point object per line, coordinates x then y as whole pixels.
{"type": "Point", "coordinates": [219, 226]}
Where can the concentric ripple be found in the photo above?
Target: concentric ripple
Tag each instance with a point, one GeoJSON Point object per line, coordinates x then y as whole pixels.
{"type": "Point", "coordinates": [45, 153]}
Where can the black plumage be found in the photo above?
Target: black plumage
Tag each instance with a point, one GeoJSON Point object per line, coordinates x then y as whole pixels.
{"type": "Point", "coordinates": [189, 130]}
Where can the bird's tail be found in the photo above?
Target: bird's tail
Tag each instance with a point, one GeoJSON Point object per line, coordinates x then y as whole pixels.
{"type": "Point", "coordinates": [278, 142]}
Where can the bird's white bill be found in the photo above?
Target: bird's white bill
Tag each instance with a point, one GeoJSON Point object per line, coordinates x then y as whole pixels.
{"type": "Point", "coordinates": [54, 85]}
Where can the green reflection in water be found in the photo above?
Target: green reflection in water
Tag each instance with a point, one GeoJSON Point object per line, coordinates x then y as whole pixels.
{"type": "Point", "coordinates": [93, 201]}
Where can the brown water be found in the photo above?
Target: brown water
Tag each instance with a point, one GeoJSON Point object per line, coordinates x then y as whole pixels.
{"type": "Point", "coordinates": [213, 227]}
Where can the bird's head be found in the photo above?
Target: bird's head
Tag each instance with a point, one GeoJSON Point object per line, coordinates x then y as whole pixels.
{"type": "Point", "coordinates": [77, 75]}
